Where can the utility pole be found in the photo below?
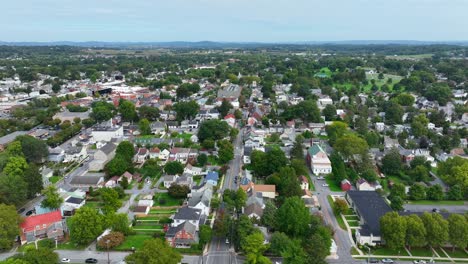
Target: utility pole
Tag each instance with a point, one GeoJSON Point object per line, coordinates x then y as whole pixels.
{"type": "Point", "coordinates": [107, 245]}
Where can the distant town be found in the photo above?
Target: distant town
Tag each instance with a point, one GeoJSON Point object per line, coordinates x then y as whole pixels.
{"type": "Point", "coordinates": [294, 154]}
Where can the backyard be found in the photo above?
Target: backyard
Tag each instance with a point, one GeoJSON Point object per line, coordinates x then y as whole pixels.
{"type": "Point", "coordinates": [164, 199]}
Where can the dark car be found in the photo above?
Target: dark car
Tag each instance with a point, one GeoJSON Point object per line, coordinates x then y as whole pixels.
{"type": "Point", "coordinates": [30, 212]}
{"type": "Point", "coordinates": [20, 211]}
{"type": "Point", "coordinates": [91, 260]}
{"type": "Point", "coordinates": [373, 260]}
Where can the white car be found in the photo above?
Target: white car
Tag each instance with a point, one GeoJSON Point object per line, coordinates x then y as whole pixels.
{"type": "Point", "coordinates": [419, 261]}
{"type": "Point", "coordinates": [65, 260]}
{"type": "Point", "coordinates": [325, 185]}
{"type": "Point", "coordinates": [321, 178]}
{"type": "Point", "coordinates": [387, 261]}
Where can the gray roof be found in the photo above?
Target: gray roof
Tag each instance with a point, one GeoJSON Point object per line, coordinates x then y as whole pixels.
{"type": "Point", "coordinates": [87, 180]}
{"type": "Point", "coordinates": [74, 200]}
{"type": "Point", "coordinates": [188, 227]}
{"type": "Point", "coordinates": [254, 208]}
{"type": "Point", "coordinates": [108, 148]}
{"type": "Point", "coordinates": [187, 213]}
{"type": "Point", "coordinates": [204, 197]}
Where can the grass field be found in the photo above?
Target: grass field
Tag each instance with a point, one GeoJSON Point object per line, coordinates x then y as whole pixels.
{"type": "Point", "coordinates": [184, 136]}
{"type": "Point", "coordinates": [429, 202]}
{"type": "Point", "coordinates": [352, 217]}
{"type": "Point", "coordinates": [458, 253]}
{"type": "Point", "coordinates": [54, 179]}
{"type": "Point", "coordinates": [168, 200]}
{"type": "Point", "coordinates": [390, 252]}
{"type": "Point", "coordinates": [162, 211]}
{"type": "Point", "coordinates": [135, 241]}
{"type": "Point", "coordinates": [332, 185]}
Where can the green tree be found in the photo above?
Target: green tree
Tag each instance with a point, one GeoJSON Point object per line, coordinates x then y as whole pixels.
{"type": "Point", "coordinates": [329, 112]}
{"type": "Point", "coordinates": [294, 253]}
{"type": "Point", "coordinates": [269, 214]}
{"type": "Point", "coordinates": [186, 110]}
{"type": "Point", "coordinates": [154, 251]}
{"type": "Point", "coordinates": [350, 145]}
{"type": "Point", "coordinates": [16, 165]}
{"type": "Point", "coordinates": [56, 87]}
{"type": "Point", "coordinates": [279, 242]}
{"type": "Point", "coordinates": [13, 189]}
{"type": "Point", "coordinates": [405, 99]}
{"type": "Point", "coordinates": [205, 234]}
{"type": "Point", "coordinates": [86, 225]}
{"type": "Point", "coordinates": [254, 248]}
{"type": "Point", "coordinates": [102, 111]}
{"type": "Point", "coordinates": [9, 226]}
{"type": "Point", "coordinates": [419, 173]}
{"type": "Point", "coordinates": [52, 198]}
{"type": "Point", "coordinates": [202, 159]}
{"type": "Point", "coordinates": [458, 231]}
{"type": "Point", "coordinates": [391, 162]}
{"type": "Point", "coordinates": [144, 127]}
{"type": "Point", "coordinates": [435, 193]}
{"type": "Point", "coordinates": [398, 190]}
{"type": "Point", "coordinates": [293, 217]}
{"type": "Point", "coordinates": [415, 231]}
{"type": "Point", "coordinates": [417, 192]}
{"type": "Point", "coordinates": [396, 203]}
{"type": "Point", "coordinates": [126, 150]}
{"type": "Point", "coordinates": [178, 191]}
{"type": "Point", "coordinates": [110, 199]}
{"type": "Point", "coordinates": [174, 167]}
{"type": "Point", "coordinates": [34, 150]}
{"type": "Point", "coordinates": [225, 151]}
{"type": "Point", "coordinates": [455, 193]}
{"type": "Point", "coordinates": [340, 206]}
{"type": "Point", "coordinates": [393, 113]}
{"type": "Point", "coordinates": [148, 112]}
{"type": "Point", "coordinates": [288, 184]}
{"type": "Point", "coordinates": [39, 256]}
{"type": "Point", "coordinates": [224, 108]}
{"type": "Point", "coordinates": [117, 166]}
{"type": "Point", "coordinates": [33, 179]}
{"type": "Point", "coordinates": [336, 130]}
{"type": "Point", "coordinates": [127, 111]}
{"type": "Point", "coordinates": [437, 229]}
{"type": "Point", "coordinates": [111, 240]}
{"type": "Point", "coordinates": [119, 223]}
{"type": "Point", "coordinates": [214, 129]}
{"type": "Point", "coordinates": [393, 229]}
{"type": "Point", "coordinates": [317, 245]}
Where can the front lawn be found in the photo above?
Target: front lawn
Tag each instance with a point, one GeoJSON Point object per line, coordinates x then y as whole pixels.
{"type": "Point", "coordinates": [135, 241]}
{"type": "Point", "coordinates": [353, 223]}
{"type": "Point", "coordinates": [352, 217]}
{"type": "Point", "coordinates": [443, 202]}
{"type": "Point", "coordinates": [332, 185]}
{"type": "Point", "coordinates": [54, 179]}
{"type": "Point", "coordinates": [458, 253]}
{"type": "Point", "coordinates": [164, 199]}
{"type": "Point", "coordinates": [387, 251]}
{"type": "Point", "coordinates": [421, 252]}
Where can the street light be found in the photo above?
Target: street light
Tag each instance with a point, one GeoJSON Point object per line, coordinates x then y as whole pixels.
{"type": "Point", "coordinates": [107, 245]}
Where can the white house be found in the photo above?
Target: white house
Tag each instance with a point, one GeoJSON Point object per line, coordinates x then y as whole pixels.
{"type": "Point", "coordinates": [318, 160]}
{"type": "Point", "coordinates": [201, 200]}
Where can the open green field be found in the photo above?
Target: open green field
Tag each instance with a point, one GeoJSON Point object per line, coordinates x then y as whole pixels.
{"type": "Point", "coordinates": [421, 252]}
{"type": "Point", "coordinates": [443, 202]}
{"type": "Point", "coordinates": [332, 184]}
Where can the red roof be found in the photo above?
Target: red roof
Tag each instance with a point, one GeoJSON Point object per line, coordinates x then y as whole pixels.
{"type": "Point", "coordinates": [31, 222]}
{"type": "Point", "coordinates": [230, 116]}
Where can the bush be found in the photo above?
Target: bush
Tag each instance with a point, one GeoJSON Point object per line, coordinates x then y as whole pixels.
{"type": "Point", "coordinates": [165, 220]}
{"type": "Point", "coordinates": [115, 239]}
{"type": "Point", "coordinates": [340, 206]}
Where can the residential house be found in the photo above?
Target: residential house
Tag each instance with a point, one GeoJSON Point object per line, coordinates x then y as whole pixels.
{"type": "Point", "coordinates": [75, 154]}
{"type": "Point", "coordinates": [318, 160]}
{"type": "Point", "coordinates": [56, 154]}
{"type": "Point", "coordinates": [363, 185]}
{"type": "Point", "coordinates": [168, 180]}
{"type": "Point", "coordinates": [182, 236]}
{"type": "Point", "coordinates": [141, 155]}
{"type": "Point", "coordinates": [188, 214]}
{"type": "Point", "coordinates": [201, 200]}
{"type": "Point", "coordinates": [192, 170]}
{"type": "Point", "coordinates": [71, 204]}
{"type": "Point", "coordinates": [95, 180]}
{"type": "Point", "coordinates": [48, 225]}
{"type": "Point", "coordinates": [230, 119]}
{"type": "Point", "coordinates": [102, 156]}
{"type": "Point", "coordinates": [107, 133]}
{"type": "Point", "coordinates": [212, 178]}
{"type": "Point", "coordinates": [254, 210]}
{"type": "Point", "coordinates": [158, 127]}
{"type": "Point", "coordinates": [183, 155]}
{"type": "Point", "coordinates": [154, 153]}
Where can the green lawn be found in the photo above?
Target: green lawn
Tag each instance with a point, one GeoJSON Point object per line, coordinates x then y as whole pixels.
{"type": "Point", "coordinates": [421, 252]}
{"type": "Point", "coordinates": [353, 223]}
{"type": "Point", "coordinates": [440, 252]}
{"type": "Point", "coordinates": [133, 241]}
{"type": "Point", "coordinates": [337, 216]}
{"type": "Point", "coordinates": [387, 251]}
{"type": "Point", "coordinates": [93, 204]}
{"type": "Point", "coordinates": [54, 179]}
{"type": "Point", "coordinates": [458, 253]}
{"type": "Point", "coordinates": [184, 136]}
{"type": "Point", "coordinates": [162, 211]}
{"type": "Point", "coordinates": [148, 226]}
{"type": "Point", "coordinates": [169, 201]}
{"type": "Point", "coordinates": [444, 202]}
{"type": "Point", "coordinates": [354, 251]}
{"type": "Point", "coordinates": [197, 179]}
{"type": "Point", "coordinates": [353, 217]}
{"type": "Point", "coordinates": [332, 184]}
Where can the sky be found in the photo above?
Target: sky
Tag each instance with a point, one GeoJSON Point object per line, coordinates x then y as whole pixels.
{"type": "Point", "coordinates": [233, 20]}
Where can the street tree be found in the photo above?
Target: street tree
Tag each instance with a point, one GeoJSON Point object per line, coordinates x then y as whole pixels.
{"type": "Point", "coordinates": [52, 198]}
{"type": "Point", "coordinates": [292, 217]}
{"type": "Point", "coordinates": [417, 192]}
{"type": "Point", "coordinates": [458, 231]}
{"type": "Point", "coordinates": [415, 231]}
{"type": "Point", "coordinates": [437, 229]}
{"type": "Point", "coordinates": [154, 251]}
{"type": "Point", "coordinates": [225, 151]}
{"type": "Point", "coordinates": [393, 229]}
{"type": "Point", "coordinates": [253, 247]}
{"type": "Point", "coordinates": [86, 225]}
{"type": "Point", "coordinates": [9, 226]}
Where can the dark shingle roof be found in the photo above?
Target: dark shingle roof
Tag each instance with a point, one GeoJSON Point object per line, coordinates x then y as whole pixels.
{"type": "Point", "coordinates": [187, 213]}
{"type": "Point", "coordinates": [74, 200]}
{"type": "Point", "coordinates": [371, 207]}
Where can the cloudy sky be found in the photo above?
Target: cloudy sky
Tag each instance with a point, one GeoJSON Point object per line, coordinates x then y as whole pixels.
{"type": "Point", "coordinates": [233, 20]}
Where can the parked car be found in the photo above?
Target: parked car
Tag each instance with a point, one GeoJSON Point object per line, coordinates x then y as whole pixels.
{"type": "Point", "coordinates": [387, 261]}
{"type": "Point", "coordinates": [91, 260]}
{"type": "Point", "coordinates": [20, 211]}
{"type": "Point", "coordinates": [320, 178]}
{"type": "Point", "coordinates": [65, 260]}
{"type": "Point", "coordinates": [30, 212]}
{"type": "Point", "coordinates": [373, 260]}
{"type": "Point", "coordinates": [419, 261]}
{"type": "Point", "coordinates": [325, 185]}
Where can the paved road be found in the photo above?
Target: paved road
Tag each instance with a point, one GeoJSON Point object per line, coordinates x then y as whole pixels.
{"type": "Point", "coordinates": [234, 165]}
{"type": "Point", "coordinates": [461, 209]}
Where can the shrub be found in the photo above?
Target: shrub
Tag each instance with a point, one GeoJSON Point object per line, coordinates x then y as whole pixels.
{"type": "Point", "coordinates": [115, 239]}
